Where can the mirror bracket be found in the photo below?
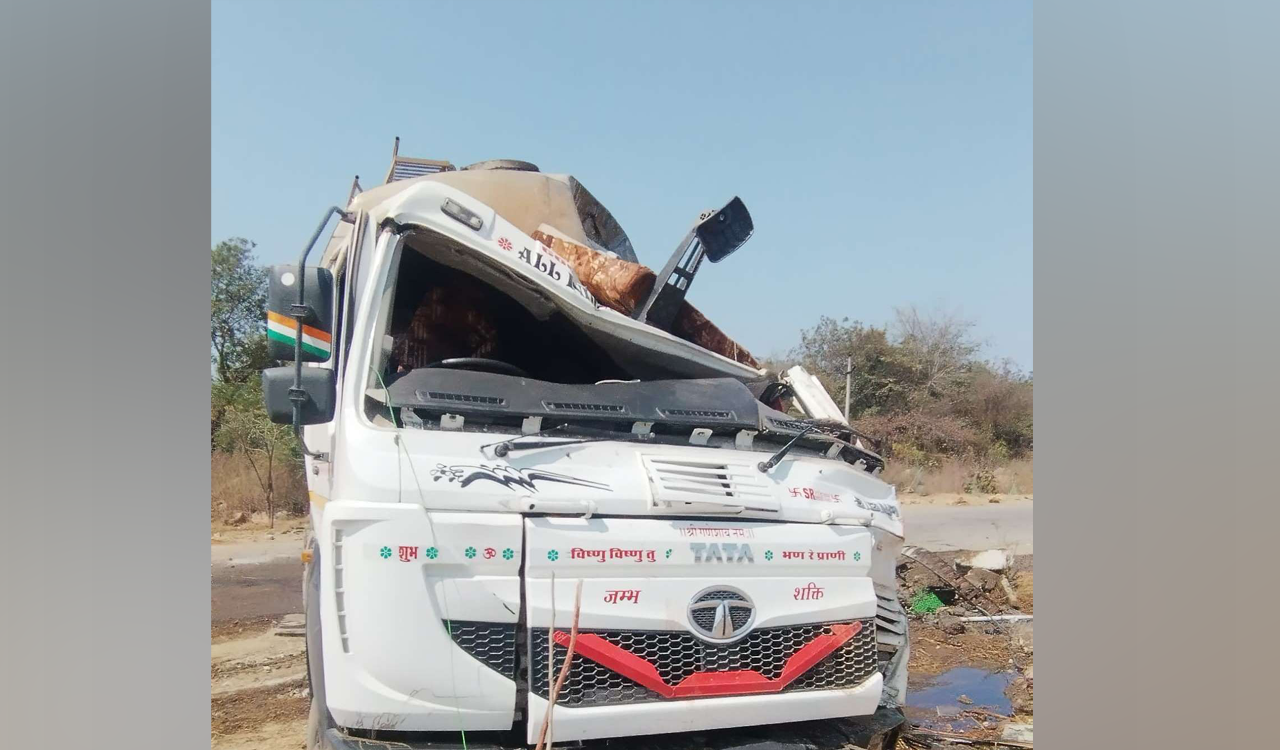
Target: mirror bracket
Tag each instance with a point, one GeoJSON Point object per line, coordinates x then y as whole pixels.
{"type": "Point", "coordinates": [302, 312]}
{"type": "Point", "coordinates": [714, 236]}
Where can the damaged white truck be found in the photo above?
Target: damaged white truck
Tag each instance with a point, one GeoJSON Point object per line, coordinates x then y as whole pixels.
{"type": "Point", "coordinates": [519, 442]}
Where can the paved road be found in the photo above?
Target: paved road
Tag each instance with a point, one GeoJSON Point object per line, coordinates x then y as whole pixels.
{"type": "Point", "coordinates": [283, 547]}
{"type": "Point", "coordinates": [976, 527]}
{"type": "Point", "coordinates": [249, 580]}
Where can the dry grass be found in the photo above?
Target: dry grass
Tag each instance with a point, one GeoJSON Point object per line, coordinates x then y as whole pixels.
{"type": "Point", "coordinates": [1024, 586]}
{"type": "Point", "coordinates": [234, 487]}
{"type": "Point", "coordinates": [1015, 477]}
{"type": "Point", "coordinates": [953, 477]}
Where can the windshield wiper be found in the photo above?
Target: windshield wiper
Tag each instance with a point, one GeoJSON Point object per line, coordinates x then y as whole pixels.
{"type": "Point", "coordinates": [765, 466]}
{"type": "Point", "coordinates": [815, 431]}
{"type": "Point", "coordinates": [505, 447]}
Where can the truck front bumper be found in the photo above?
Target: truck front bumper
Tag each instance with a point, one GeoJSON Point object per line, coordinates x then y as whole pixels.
{"type": "Point", "coordinates": [879, 731]}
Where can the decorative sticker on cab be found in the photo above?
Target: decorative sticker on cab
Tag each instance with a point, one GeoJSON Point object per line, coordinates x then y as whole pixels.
{"type": "Point", "coordinates": [507, 476]}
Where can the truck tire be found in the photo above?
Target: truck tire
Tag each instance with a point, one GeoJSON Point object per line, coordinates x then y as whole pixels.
{"type": "Point", "coordinates": [318, 719]}
{"type": "Point", "coordinates": [315, 725]}
{"type": "Point", "coordinates": [511, 164]}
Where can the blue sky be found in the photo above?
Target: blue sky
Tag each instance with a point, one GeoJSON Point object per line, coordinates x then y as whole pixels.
{"type": "Point", "coordinates": [884, 149]}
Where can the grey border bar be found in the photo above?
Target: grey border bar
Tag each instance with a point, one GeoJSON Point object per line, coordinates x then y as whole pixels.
{"type": "Point", "coordinates": [104, 128]}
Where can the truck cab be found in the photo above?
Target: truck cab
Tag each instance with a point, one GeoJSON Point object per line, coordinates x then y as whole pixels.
{"type": "Point", "coordinates": [521, 444]}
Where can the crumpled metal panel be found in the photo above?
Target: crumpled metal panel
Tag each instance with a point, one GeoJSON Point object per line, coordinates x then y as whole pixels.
{"type": "Point", "coordinates": [599, 225]}
{"type": "Point", "coordinates": [623, 286]}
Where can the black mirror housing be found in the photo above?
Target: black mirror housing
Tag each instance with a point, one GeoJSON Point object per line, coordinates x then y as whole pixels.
{"type": "Point", "coordinates": [282, 303]}
{"type": "Point", "coordinates": [319, 390]}
{"type": "Point", "coordinates": [715, 236]}
{"type": "Point", "coordinates": [725, 230]}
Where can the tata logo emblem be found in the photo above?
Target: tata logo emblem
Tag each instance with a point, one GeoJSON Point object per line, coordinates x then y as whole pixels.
{"type": "Point", "coordinates": [725, 552]}
{"type": "Point", "coordinates": [721, 614]}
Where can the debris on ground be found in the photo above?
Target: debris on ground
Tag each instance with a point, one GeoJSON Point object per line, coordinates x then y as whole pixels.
{"type": "Point", "coordinates": [970, 672]}
{"type": "Point", "coordinates": [291, 625]}
{"type": "Point", "coordinates": [1020, 697]}
{"type": "Point", "coordinates": [951, 625]}
{"type": "Point", "coordinates": [246, 710]}
{"type": "Point", "coordinates": [1010, 594]}
{"type": "Point", "coordinates": [989, 584]}
{"type": "Point", "coordinates": [227, 630]}
{"type": "Point", "coordinates": [256, 662]}
{"type": "Point", "coordinates": [925, 602]}
{"type": "Point", "coordinates": [964, 581]}
{"type": "Point", "coordinates": [993, 559]}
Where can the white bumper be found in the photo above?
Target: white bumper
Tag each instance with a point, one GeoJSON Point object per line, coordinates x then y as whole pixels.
{"type": "Point", "coordinates": [705, 713]}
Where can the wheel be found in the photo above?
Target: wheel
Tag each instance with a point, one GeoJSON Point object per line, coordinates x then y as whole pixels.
{"type": "Point", "coordinates": [317, 722]}
{"type": "Point", "coordinates": [318, 719]}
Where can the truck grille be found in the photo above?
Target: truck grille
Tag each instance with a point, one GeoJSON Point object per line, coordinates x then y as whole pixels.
{"type": "Point", "coordinates": [694, 480]}
{"type": "Point", "coordinates": [493, 643]}
{"type": "Point", "coordinates": [677, 655]}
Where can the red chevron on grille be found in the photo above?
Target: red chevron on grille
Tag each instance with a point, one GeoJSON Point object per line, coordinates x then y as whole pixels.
{"type": "Point", "coordinates": [705, 684]}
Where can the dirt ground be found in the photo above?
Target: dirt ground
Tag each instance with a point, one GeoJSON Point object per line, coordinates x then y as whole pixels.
{"type": "Point", "coordinates": [272, 718]}
{"type": "Point", "coordinates": [952, 498]}
{"type": "Point", "coordinates": [258, 687]}
{"type": "Point", "coordinates": [255, 528]}
{"type": "Point", "coordinates": [258, 678]}
{"type": "Point", "coordinates": [951, 658]}
{"type": "Point", "coordinates": [259, 697]}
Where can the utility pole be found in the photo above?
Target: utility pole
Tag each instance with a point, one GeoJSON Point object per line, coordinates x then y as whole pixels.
{"type": "Point", "coordinates": [848, 379]}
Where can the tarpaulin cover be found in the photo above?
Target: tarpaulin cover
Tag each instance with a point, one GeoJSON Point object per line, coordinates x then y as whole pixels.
{"type": "Point", "coordinates": [624, 286]}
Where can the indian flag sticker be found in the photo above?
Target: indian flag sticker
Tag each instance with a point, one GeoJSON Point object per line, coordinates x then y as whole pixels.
{"type": "Point", "coordinates": [314, 341]}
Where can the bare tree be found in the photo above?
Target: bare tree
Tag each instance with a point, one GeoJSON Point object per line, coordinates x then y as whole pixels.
{"type": "Point", "coordinates": [940, 344]}
{"type": "Point", "coordinates": [263, 443]}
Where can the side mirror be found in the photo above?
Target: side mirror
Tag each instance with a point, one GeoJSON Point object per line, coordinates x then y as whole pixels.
{"type": "Point", "coordinates": [316, 308]}
{"type": "Point", "coordinates": [317, 393]}
{"type": "Point", "coordinates": [725, 230]}
{"type": "Point", "coordinates": [715, 236]}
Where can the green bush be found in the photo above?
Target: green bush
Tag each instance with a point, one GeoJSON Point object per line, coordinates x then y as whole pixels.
{"type": "Point", "coordinates": [983, 482]}
{"type": "Point", "coordinates": [920, 390]}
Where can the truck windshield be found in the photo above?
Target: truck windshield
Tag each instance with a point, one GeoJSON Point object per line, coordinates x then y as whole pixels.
{"type": "Point", "coordinates": [448, 308]}
{"type": "Point", "coordinates": [466, 338]}
{"type": "Point", "coordinates": [442, 311]}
